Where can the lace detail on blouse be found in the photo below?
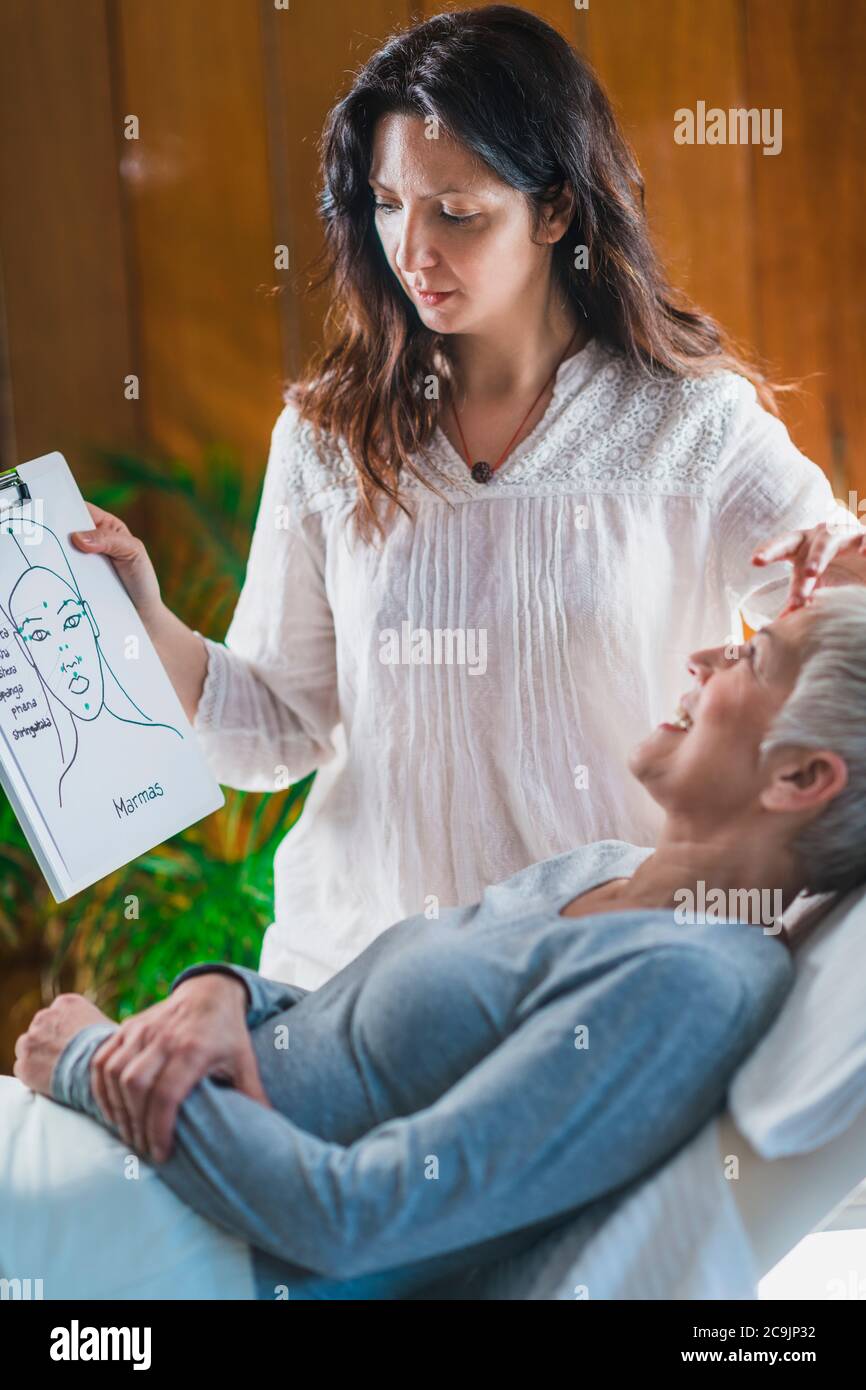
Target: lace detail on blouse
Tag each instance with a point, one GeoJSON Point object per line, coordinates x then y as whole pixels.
{"type": "Point", "coordinates": [608, 428]}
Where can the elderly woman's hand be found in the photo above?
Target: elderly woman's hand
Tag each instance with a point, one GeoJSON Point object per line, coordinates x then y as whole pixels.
{"type": "Point", "coordinates": [37, 1050]}
{"type": "Point", "coordinates": [142, 1074]}
{"type": "Point", "coordinates": [825, 555]}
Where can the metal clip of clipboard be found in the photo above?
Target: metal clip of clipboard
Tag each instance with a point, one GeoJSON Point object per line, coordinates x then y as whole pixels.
{"type": "Point", "coordinates": [12, 489]}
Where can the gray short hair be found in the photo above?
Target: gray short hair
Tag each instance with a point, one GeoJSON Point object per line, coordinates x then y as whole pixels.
{"type": "Point", "coordinates": [827, 709]}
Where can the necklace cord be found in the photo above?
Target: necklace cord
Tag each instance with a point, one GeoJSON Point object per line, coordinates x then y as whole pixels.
{"type": "Point", "coordinates": [505, 451]}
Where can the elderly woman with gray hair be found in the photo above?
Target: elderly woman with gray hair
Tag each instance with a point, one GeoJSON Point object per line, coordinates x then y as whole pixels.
{"type": "Point", "coordinates": [466, 1083]}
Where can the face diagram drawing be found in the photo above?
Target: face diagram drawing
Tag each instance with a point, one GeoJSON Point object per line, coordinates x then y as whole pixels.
{"type": "Point", "coordinates": [60, 638]}
{"type": "Point", "coordinates": [58, 634]}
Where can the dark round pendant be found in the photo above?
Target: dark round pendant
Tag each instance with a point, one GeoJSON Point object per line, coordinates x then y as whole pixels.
{"type": "Point", "coordinates": [482, 472]}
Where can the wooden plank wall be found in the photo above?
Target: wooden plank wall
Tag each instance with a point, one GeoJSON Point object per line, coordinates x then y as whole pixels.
{"type": "Point", "coordinates": [63, 233]}
{"type": "Point", "coordinates": [155, 256]}
{"type": "Point", "coordinates": [774, 246]}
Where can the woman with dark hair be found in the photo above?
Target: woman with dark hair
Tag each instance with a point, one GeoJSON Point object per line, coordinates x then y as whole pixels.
{"type": "Point", "coordinates": [522, 479]}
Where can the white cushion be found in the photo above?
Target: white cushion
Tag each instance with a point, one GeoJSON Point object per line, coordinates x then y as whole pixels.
{"type": "Point", "coordinates": [89, 1220]}
{"type": "Point", "coordinates": [805, 1082]}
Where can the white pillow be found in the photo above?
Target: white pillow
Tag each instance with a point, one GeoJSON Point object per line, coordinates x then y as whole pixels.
{"type": "Point", "coordinates": [805, 1082]}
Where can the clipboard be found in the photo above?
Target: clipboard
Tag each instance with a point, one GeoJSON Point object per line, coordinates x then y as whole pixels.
{"type": "Point", "coordinates": [97, 757]}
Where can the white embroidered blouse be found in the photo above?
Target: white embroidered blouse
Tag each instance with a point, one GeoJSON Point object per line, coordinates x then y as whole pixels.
{"type": "Point", "coordinates": [470, 692]}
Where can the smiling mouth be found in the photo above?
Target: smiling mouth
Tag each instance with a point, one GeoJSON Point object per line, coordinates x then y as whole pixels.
{"type": "Point", "coordinates": [681, 722]}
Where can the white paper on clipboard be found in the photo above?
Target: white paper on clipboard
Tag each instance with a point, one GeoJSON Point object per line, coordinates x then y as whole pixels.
{"type": "Point", "coordinates": [97, 757]}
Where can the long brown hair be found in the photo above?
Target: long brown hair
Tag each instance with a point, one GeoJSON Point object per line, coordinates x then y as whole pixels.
{"type": "Point", "coordinates": [513, 91]}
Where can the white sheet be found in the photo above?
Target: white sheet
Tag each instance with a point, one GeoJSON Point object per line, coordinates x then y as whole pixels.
{"type": "Point", "coordinates": [71, 1217]}
{"type": "Point", "coordinates": [676, 1234]}
{"type": "Point", "coordinates": [74, 1214]}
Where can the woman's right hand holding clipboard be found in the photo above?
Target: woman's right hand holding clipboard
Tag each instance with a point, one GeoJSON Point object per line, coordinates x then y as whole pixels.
{"type": "Point", "coordinates": [180, 649]}
{"type": "Point", "coordinates": [112, 537]}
